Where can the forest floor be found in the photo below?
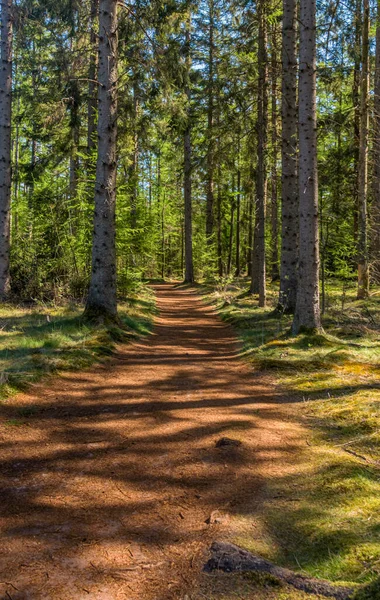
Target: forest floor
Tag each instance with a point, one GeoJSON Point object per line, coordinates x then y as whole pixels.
{"type": "Point", "coordinates": [113, 486]}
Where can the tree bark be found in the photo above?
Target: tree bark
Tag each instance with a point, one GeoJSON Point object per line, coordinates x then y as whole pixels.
{"type": "Point", "coordinates": [363, 266]}
{"type": "Point", "coordinates": [230, 558]}
{"type": "Point", "coordinates": [237, 255]}
{"type": "Point", "coordinates": [210, 128]}
{"type": "Point", "coordinates": [102, 301]}
{"type": "Point", "coordinates": [307, 313]}
{"type": "Point", "coordinates": [274, 174]}
{"type": "Point", "coordinates": [134, 166]}
{"type": "Point", "coordinates": [375, 217]}
{"type": "Point", "coordinates": [261, 183]}
{"type": "Point", "coordinates": [356, 103]}
{"type": "Point", "coordinates": [189, 268]}
{"type": "Point", "coordinates": [92, 70]}
{"type": "Point", "coordinates": [289, 206]}
{"type": "Point", "coordinates": [5, 144]}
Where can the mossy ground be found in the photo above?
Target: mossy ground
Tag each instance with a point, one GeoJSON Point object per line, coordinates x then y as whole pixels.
{"type": "Point", "coordinates": [42, 339]}
{"type": "Point", "coordinates": [325, 520]}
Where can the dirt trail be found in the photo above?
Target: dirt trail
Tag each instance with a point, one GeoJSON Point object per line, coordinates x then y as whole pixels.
{"type": "Point", "coordinates": [107, 486]}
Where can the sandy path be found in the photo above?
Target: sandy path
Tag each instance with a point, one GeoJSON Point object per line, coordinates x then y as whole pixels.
{"type": "Point", "coordinates": [106, 489]}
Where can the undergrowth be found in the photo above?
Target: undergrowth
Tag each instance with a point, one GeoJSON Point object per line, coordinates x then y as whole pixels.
{"type": "Point", "coordinates": [325, 520]}
{"type": "Point", "coordinates": [47, 338]}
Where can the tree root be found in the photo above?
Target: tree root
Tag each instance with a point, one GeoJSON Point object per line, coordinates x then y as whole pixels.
{"type": "Point", "coordinates": [230, 558]}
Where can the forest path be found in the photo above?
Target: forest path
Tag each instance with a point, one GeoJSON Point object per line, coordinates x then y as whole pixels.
{"type": "Point", "coordinates": [108, 482]}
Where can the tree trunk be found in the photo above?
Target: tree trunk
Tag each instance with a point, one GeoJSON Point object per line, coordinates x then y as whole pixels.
{"type": "Point", "coordinates": [189, 269]}
{"type": "Point", "coordinates": [250, 220]}
{"type": "Point", "coordinates": [307, 313]}
{"type": "Point", "coordinates": [5, 144]}
{"type": "Point", "coordinates": [274, 174]}
{"type": "Point", "coordinates": [375, 246]}
{"type": "Point", "coordinates": [289, 206]}
{"type": "Point", "coordinates": [356, 103]}
{"type": "Point", "coordinates": [219, 208]}
{"type": "Point", "coordinates": [102, 301]}
{"type": "Point", "coordinates": [237, 259]}
{"type": "Point", "coordinates": [231, 237]}
{"type": "Point", "coordinates": [363, 268]}
{"type": "Point", "coordinates": [210, 128]}
{"type": "Point", "coordinates": [92, 70]}
{"type": "Point", "coordinates": [262, 118]}
{"type": "Point", "coordinates": [134, 167]}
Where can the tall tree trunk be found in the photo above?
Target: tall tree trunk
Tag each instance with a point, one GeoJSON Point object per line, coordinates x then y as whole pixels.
{"type": "Point", "coordinates": [189, 269]}
{"type": "Point", "coordinates": [219, 215]}
{"type": "Point", "coordinates": [262, 118]}
{"type": "Point", "coordinates": [356, 103]}
{"type": "Point", "coordinates": [375, 217]}
{"type": "Point", "coordinates": [250, 221]}
{"type": "Point", "coordinates": [134, 168]}
{"type": "Point", "coordinates": [289, 206]}
{"type": "Point", "coordinates": [92, 70]}
{"type": "Point", "coordinates": [102, 301]}
{"type": "Point", "coordinates": [231, 237]}
{"type": "Point", "coordinates": [274, 174]}
{"type": "Point", "coordinates": [307, 313]}
{"type": "Point", "coordinates": [210, 128]}
{"type": "Point", "coordinates": [237, 255]}
{"type": "Point", "coordinates": [363, 267]}
{"type": "Point", "coordinates": [74, 157]}
{"type": "Point", "coordinates": [16, 144]}
{"type": "Point", "coordinates": [5, 144]}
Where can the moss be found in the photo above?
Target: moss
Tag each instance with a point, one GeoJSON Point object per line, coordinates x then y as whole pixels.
{"type": "Point", "coordinates": [44, 339]}
{"type": "Point", "coordinates": [369, 592]}
{"type": "Point", "coordinates": [324, 518]}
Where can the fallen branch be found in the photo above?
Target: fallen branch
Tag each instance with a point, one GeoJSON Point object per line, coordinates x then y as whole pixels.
{"type": "Point", "coordinates": [231, 559]}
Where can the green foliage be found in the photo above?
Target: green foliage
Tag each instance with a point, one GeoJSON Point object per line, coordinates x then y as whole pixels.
{"type": "Point", "coordinates": [323, 517]}
{"type": "Point", "coordinates": [48, 338]}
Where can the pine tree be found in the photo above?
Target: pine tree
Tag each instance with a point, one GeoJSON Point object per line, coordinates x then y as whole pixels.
{"type": "Point", "coordinates": [307, 313]}
{"type": "Point", "coordinates": [102, 301]}
{"type": "Point", "coordinates": [289, 205]}
{"type": "Point", "coordinates": [363, 264]}
{"type": "Point", "coordinates": [5, 144]}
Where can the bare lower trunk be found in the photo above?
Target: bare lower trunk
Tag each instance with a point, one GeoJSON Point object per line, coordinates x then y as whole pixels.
{"type": "Point", "coordinates": [210, 128]}
{"type": "Point", "coordinates": [274, 174]}
{"type": "Point", "coordinates": [262, 117]}
{"type": "Point", "coordinates": [289, 207]}
{"type": "Point", "coordinates": [5, 144]}
{"type": "Point", "coordinates": [375, 217]}
{"type": "Point", "coordinates": [219, 209]}
{"type": "Point", "coordinates": [363, 266]}
{"type": "Point", "coordinates": [255, 251]}
{"type": "Point", "coordinates": [102, 302]}
{"type": "Point", "coordinates": [307, 313]}
{"type": "Point", "coordinates": [356, 103]}
{"type": "Point", "coordinates": [189, 268]}
{"type": "Point", "coordinates": [237, 256]}
{"type": "Point", "coordinates": [134, 165]}
{"type": "Point", "coordinates": [92, 91]}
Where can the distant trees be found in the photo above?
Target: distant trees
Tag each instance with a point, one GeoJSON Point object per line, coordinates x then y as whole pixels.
{"type": "Point", "coordinates": [214, 158]}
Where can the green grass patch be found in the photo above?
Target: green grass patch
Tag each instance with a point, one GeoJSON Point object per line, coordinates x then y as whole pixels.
{"type": "Point", "coordinates": [325, 519]}
{"type": "Point", "coordinates": [45, 339]}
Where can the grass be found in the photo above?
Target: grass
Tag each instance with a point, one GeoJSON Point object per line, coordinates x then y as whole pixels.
{"type": "Point", "coordinates": [324, 519]}
{"type": "Point", "coordinates": [44, 339]}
